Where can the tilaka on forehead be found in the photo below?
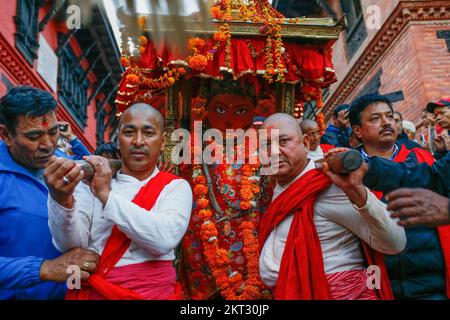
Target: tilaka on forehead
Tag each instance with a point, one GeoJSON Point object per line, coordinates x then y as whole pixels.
{"type": "Point", "coordinates": [45, 122]}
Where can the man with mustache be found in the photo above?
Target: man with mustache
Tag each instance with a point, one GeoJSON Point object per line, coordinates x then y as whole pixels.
{"type": "Point", "coordinates": [321, 231]}
{"type": "Point", "coordinates": [30, 266]}
{"type": "Point", "coordinates": [420, 271]}
{"type": "Point", "coordinates": [134, 220]}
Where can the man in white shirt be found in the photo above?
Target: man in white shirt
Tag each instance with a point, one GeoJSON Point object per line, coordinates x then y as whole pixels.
{"type": "Point", "coordinates": [317, 236]}
{"type": "Point", "coordinates": [134, 220]}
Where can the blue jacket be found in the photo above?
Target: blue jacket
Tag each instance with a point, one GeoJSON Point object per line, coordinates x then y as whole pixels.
{"type": "Point", "coordinates": [78, 149]}
{"type": "Point", "coordinates": [336, 137]}
{"type": "Point", "coordinates": [25, 239]}
{"type": "Point", "coordinates": [419, 271]}
{"type": "Point", "coordinates": [385, 175]}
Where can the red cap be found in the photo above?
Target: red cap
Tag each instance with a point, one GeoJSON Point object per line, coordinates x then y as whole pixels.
{"type": "Point", "coordinates": [444, 102]}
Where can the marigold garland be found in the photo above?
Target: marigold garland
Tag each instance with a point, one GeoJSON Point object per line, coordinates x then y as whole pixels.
{"type": "Point", "coordinates": [198, 62]}
{"type": "Point", "coordinates": [216, 12]}
{"type": "Point", "coordinates": [321, 123]}
{"type": "Point", "coordinates": [231, 283]}
{"type": "Point", "coordinates": [256, 11]}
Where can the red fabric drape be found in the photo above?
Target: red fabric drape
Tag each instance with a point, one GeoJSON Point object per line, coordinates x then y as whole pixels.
{"type": "Point", "coordinates": [302, 274]}
{"type": "Point", "coordinates": [310, 65]}
{"type": "Point", "coordinates": [116, 246]}
{"type": "Point", "coordinates": [302, 62]}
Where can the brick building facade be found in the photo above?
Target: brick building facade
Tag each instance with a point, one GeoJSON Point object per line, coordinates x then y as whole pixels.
{"type": "Point", "coordinates": [396, 48]}
{"type": "Point", "coordinates": [408, 57]}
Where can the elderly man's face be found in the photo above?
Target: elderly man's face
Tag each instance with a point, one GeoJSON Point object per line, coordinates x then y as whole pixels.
{"type": "Point", "coordinates": [377, 125]}
{"type": "Point", "coordinates": [443, 117]}
{"type": "Point", "coordinates": [34, 140]}
{"type": "Point", "coordinates": [427, 119]}
{"type": "Point", "coordinates": [290, 147]}
{"type": "Point", "coordinates": [141, 140]}
{"type": "Point", "coordinates": [313, 133]}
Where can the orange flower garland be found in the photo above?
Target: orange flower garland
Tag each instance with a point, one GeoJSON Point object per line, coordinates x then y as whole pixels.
{"type": "Point", "coordinates": [231, 284]}
{"type": "Point", "coordinates": [321, 123]}
{"type": "Point", "coordinates": [248, 188]}
{"type": "Point", "coordinates": [227, 14]}
{"type": "Point", "coordinates": [195, 45]}
{"type": "Point", "coordinates": [216, 13]}
{"type": "Point", "coordinates": [257, 11]}
{"type": "Point", "coordinates": [198, 62]}
{"type": "Point", "coordinates": [133, 79]}
{"type": "Point", "coordinates": [274, 46]}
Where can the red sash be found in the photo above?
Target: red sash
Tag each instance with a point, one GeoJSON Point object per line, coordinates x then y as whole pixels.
{"type": "Point", "coordinates": [326, 148]}
{"type": "Point", "coordinates": [424, 156]}
{"type": "Point", "coordinates": [302, 274]}
{"type": "Point", "coordinates": [116, 246]}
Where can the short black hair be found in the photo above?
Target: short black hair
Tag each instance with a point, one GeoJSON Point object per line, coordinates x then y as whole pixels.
{"type": "Point", "coordinates": [400, 114]}
{"type": "Point", "coordinates": [110, 148]}
{"type": "Point", "coordinates": [360, 104]}
{"type": "Point", "coordinates": [339, 109]}
{"type": "Point", "coordinates": [24, 101]}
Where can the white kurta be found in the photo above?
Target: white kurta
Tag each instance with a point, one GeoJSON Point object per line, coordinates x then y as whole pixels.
{"type": "Point", "coordinates": [317, 154]}
{"type": "Point", "coordinates": [154, 234]}
{"type": "Point", "coordinates": [339, 226]}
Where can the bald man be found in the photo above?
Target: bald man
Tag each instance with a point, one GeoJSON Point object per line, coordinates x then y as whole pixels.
{"type": "Point", "coordinates": [134, 220]}
{"type": "Point", "coordinates": [321, 231]}
{"type": "Point", "coordinates": [316, 149]}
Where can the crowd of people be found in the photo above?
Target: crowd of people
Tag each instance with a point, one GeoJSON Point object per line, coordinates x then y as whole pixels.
{"type": "Point", "coordinates": [318, 236]}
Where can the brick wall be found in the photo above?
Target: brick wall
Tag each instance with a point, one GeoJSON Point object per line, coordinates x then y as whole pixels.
{"type": "Point", "coordinates": [416, 62]}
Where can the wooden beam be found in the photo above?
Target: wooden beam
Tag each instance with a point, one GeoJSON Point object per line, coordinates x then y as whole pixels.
{"type": "Point", "coordinates": [325, 6]}
{"type": "Point", "coordinates": [83, 56]}
{"type": "Point", "coordinates": [107, 99]}
{"type": "Point", "coordinates": [66, 41]}
{"type": "Point", "coordinates": [99, 88]}
{"type": "Point", "coordinates": [91, 67]}
{"type": "Point", "coordinates": [101, 115]}
{"type": "Point", "coordinates": [444, 34]}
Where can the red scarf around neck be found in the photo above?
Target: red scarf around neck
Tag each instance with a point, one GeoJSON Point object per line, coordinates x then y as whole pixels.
{"type": "Point", "coordinates": [302, 273]}
{"type": "Point", "coordinates": [116, 246]}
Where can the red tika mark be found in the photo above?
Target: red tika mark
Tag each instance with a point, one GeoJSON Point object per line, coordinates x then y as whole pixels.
{"type": "Point", "coordinates": [45, 122]}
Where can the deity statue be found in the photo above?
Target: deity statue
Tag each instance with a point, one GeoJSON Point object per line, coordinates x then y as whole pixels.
{"type": "Point", "coordinates": [220, 250]}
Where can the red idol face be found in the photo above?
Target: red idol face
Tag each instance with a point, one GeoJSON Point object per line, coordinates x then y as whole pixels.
{"type": "Point", "coordinates": [229, 111]}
